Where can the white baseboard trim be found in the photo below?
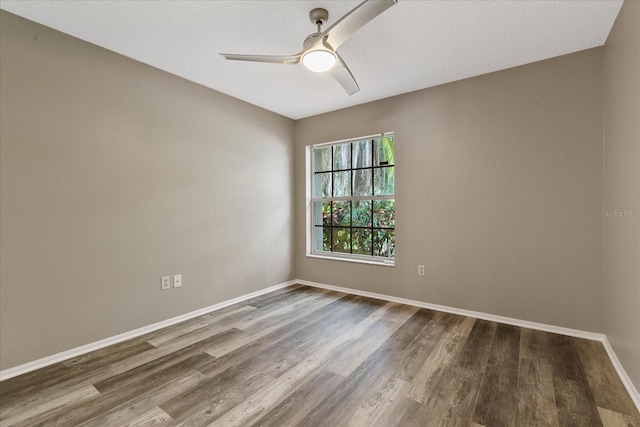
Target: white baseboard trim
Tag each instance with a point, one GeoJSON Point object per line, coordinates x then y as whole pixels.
{"type": "Point", "coordinates": [633, 392]}
{"type": "Point", "coordinates": [469, 313]}
{"type": "Point", "coordinates": [631, 388]}
{"type": "Point", "coordinates": [77, 351]}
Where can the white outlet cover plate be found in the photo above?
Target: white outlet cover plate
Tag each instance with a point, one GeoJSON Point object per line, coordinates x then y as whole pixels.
{"type": "Point", "coordinates": [177, 280]}
{"type": "Point", "coordinates": [166, 283]}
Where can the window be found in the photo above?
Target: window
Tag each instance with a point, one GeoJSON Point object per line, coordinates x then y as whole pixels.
{"type": "Point", "coordinates": [352, 203]}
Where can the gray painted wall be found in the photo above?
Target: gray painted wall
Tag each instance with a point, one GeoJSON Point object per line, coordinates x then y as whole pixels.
{"type": "Point", "coordinates": [498, 192]}
{"type": "Point", "coordinates": [114, 174]}
{"type": "Point", "coordinates": [622, 188]}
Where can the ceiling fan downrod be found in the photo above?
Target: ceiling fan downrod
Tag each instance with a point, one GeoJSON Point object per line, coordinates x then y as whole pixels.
{"type": "Point", "coordinates": [319, 16]}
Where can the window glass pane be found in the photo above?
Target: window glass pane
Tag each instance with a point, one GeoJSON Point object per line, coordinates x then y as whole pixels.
{"type": "Point", "coordinates": [362, 154]}
{"type": "Point", "coordinates": [383, 182]}
{"type": "Point", "coordinates": [341, 213]}
{"type": "Point", "coordinates": [326, 238]}
{"type": "Point", "coordinates": [384, 243]}
{"type": "Point", "coordinates": [341, 239]}
{"type": "Point", "coordinates": [342, 184]}
{"type": "Point", "coordinates": [341, 156]}
{"type": "Point", "coordinates": [383, 151]}
{"type": "Point", "coordinates": [384, 213]}
{"type": "Point", "coordinates": [322, 213]}
{"type": "Point", "coordinates": [362, 182]}
{"type": "Point", "coordinates": [361, 241]}
{"type": "Point", "coordinates": [322, 184]}
{"type": "Point", "coordinates": [322, 238]}
{"type": "Point", "coordinates": [361, 213]}
{"type": "Point", "coordinates": [322, 159]}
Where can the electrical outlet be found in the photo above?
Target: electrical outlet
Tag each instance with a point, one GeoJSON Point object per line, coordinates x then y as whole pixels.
{"type": "Point", "coordinates": [177, 280]}
{"type": "Point", "coordinates": [420, 270]}
{"type": "Point", "coordinates": [166, 283]}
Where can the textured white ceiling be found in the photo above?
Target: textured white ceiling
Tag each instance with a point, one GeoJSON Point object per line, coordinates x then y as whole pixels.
{"type": "Point", "coordinates": [413, 45]}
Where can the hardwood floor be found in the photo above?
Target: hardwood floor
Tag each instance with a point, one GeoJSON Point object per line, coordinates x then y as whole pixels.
{"type": "Point", "coordinates": [311, 357]}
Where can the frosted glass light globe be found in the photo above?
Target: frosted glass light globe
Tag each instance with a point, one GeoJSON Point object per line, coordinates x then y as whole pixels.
{"type": "Point", "coordinates": [319, 60]}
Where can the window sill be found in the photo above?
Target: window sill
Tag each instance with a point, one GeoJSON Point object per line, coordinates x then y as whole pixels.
{"type": "Point", "coordinates": [383, 263]}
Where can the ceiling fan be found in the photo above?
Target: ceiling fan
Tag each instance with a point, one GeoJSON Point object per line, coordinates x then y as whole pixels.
{"type": "Point", "coordinates": [319, 49]}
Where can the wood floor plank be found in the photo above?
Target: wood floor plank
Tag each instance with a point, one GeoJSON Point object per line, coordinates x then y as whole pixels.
{"type": "Point", "coordinates": [355, 354]}
{"type": "Point", "coordinates": [441, 358]}
{"type": "Point", "coordinates": [239, 313]}
{"type": "Point", "coordinates": [536, 396]}
{"type": "Point", "coordinates": [453, 400]}
{"type": "Point", "coordinates": [210, 318]}
{"type": "Point", "coordinates": [34, 400]}
{"type": "Point", "coordinates": [611, 418]}
{"type": "Point", "coordinates": [266, 316]}
{"type": "Point", "coordinates": [302, 356]}
{"type": "Point", "coordinates": [201, 339]}
{"type": "Point", "coordinates": [477, 347]}
{"type": "Point", "coordinates": [228, 383]}
{"type": "Point", "coordinates": [107, 355]}
{"type": "Point", "coordinates": [606, 386]}
{"type": "Point", "coordinates": [17, 387]}
{"type": "Point", "coordinates": [22, 413]}
{"type": "Point", "coordinates": [54, 381]}
{"type": "Point", "coordinates": [154, 417]}
{"type": "Point", "coordinates": [214, 397]}
{"type": "Point", "coordinates": [536, 345]}
{"type": "Point", "coordinates": [378, 407]}
{"type": "Point", "coordinates": [566, 361]}
{"type": "Point", "coordinates": [140, 404]}
{"type": "Point", "coordinates": [575, 403]}
{"type": "Point", "coordinates": [221, 392]}
{"type": "Point", "coordinates": [292, 410]}
{"type": "Point", "coordinates": [339, 407]}
{"type": "Point", "coordinates": [285, 294]}
{"type": "Point", "coordinates": [432, 326]}
{"type": "Point", "coordinates": [496, 401]}
{"type": "Point", "coordinates": [407, 412]}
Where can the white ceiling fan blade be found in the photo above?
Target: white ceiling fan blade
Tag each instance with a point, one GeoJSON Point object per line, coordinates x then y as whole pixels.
{"type": "Point", "coordinates": [343, 75]}
{"type": "Point", "coordinates": [342, 29]}
{"type": "Point", "coordinates": [272, 59]}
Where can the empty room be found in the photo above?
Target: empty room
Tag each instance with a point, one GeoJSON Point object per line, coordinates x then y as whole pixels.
{"type": "Point", "coordinates": [201, 225]}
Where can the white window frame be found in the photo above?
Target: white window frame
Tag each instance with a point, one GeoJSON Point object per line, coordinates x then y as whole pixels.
{"type": "Point", "coordinates": [310, 224]}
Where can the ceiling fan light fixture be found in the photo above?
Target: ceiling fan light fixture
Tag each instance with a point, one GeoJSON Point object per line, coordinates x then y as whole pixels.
{"type": "Point", "coordinates": [318, 52]}
{"type": "Point", "coordinates": [319, 60]}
